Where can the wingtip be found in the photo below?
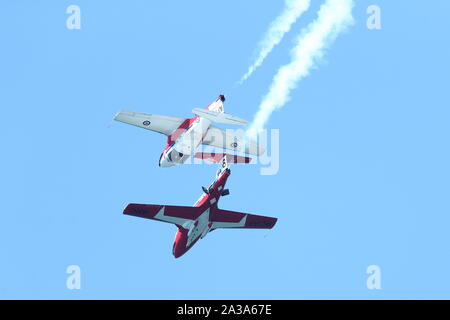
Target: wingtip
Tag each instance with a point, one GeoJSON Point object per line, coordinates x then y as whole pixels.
{"type": "Point", "coordinates": [124, 113]}
{"type": "Point", "coordinates": [118, 115]}
{"type": "Point", "coordinates": [275, 220]}
{"type": "Point", "coordinates": [261, 150]}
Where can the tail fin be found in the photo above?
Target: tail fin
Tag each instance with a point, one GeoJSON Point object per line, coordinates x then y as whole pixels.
{"type": "Point", "coordinates": [215, 113]}
{"type": "Point", "coordinates": [217, 105]}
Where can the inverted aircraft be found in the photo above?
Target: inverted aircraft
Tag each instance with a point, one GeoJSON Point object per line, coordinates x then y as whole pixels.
{"type": "Point", "coordinates": [196, 222]}
{"type": "Point", "coordinates": [184, 135]}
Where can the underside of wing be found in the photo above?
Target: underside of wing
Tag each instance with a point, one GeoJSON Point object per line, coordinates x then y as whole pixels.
{"type": "Point", "coordinates": [178, 215]}
{"type": "Point", "coordinates": [162, 124]}
{"type": "Point", "coordinates": [233, 219]}
{"type": "Point", "coordinates": [227, 139]}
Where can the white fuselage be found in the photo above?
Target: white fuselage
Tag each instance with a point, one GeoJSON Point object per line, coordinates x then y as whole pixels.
{"type": "Point", "coordinates": [186, 144]}
{"type": "Point", "coordinates": [198, 228]}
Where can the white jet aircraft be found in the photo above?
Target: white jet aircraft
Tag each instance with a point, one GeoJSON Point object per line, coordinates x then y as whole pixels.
{"type": "Point", "coordinates": [185, 135]}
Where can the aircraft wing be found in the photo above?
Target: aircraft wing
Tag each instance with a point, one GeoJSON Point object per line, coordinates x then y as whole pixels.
{"type": "Point", "coordinates": [178, 215]}
{"type": "Point", "coordinates": [226, 139]}
{"type": "Point", "coordinates": [233, 219]}
{"type": "Point", "coordinates": [162, 124]}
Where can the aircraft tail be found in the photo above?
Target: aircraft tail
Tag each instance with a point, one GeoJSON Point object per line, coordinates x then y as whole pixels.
{"type": "Point", "coordinates": [217, 105]}
{"type": "Point", "coordinates": [215, 113]}
{"type": "Point", "coordinates": [219, 117]}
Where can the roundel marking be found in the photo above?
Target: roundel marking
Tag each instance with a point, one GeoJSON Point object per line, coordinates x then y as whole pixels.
{"type": "Point", "coordinates": [146, 123]}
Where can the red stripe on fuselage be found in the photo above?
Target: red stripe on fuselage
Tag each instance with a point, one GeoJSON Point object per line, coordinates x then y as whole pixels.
{"type": "Point", "coordinates": [215, 193]}
{"type": "Point", "coordinates": [184, 126]}
{"type": "Point", "coordinates": [177, 133]}
{"type": "Point", "coordinates": [180, 245]}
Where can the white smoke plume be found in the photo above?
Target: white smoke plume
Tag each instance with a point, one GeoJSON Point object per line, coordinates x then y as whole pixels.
{"type": "Point", "coordinates": [293, 9]}
{"type": "Point", "coordinates": [334, 17]}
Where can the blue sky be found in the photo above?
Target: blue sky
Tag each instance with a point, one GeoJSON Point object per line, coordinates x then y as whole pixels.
{"type": "Point", "coordinates": [363, 178]}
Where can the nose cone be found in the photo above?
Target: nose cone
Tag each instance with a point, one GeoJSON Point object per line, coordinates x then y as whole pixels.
{"type": "Point", "coordinates": [164, 163]}
{"type": "Point", "coordinates": [179, 246]}
{"type": "Point", "coordinates": [178, 253]}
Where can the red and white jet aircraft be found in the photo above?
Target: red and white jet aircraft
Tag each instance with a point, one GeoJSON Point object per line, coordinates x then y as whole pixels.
{"type": "Point", "coordinates": [195, 222]}
{"type": "Point", "coordinates": [185, 135]}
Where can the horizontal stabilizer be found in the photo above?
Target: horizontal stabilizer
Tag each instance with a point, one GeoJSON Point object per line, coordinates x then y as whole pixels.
{"type": "Point", "coordinates": [217, 157]}
{"type": "Point", "coordinates": [219, 117]}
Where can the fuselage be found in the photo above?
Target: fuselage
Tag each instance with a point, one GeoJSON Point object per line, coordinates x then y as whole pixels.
{"type": "Point", "coordinates": [187, 235]}
{"type": "Point", "coordinates": [183, 142]}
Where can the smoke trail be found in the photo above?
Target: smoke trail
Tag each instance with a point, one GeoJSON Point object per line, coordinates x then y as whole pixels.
{"type": "Point", "coordinates": [293, 9]}
{"type": "Point", "coordinates": [334, 16]}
